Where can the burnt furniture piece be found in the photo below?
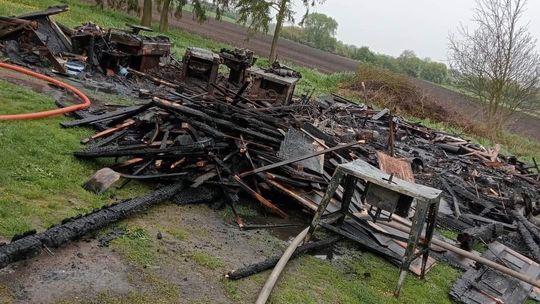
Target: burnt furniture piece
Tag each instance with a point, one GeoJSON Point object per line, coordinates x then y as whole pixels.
{"type": "Point", "coordinates": [276, 84]}
{"type": "Point", "coordinates": [92, 41]}
{"type": "Point", "coordinates": [382, 193]}
{"type": "Point", "coordinates": [145, 52]}
{"type": "Point", "coordinates": [238, 61]}
{"type": "Point", "coordinates": [202, 64]}
{"type": "Point", "coordinates": [36, 33]}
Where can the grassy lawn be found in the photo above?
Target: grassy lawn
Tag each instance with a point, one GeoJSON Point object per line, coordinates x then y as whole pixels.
{"type": "Point", "coordinates": [40, 180]}
{"type": "Point", "coordinates": [363, 278]}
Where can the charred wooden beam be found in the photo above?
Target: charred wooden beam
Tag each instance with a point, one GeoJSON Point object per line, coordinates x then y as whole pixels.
{"type": "Point", "coordinates": [74, 228]}
{"type": "Point", "coordinates": [534, 230]}
{"type": "Point", "coordinates": [170, 152]}
{"type": "Point", "coordinates": [266, 203]}
{"type": "Point", "coordinates": [300, 158]}
{"type": "Point", "coordinates": [114, 115]}
{"type": "Point", "coordinates": [272, 261]}
{"type": "Point", "coordinates": [529, 241]}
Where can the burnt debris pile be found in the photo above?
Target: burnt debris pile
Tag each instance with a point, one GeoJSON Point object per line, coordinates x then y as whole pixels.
{"type": "Point", "coordinates": [217, 137]}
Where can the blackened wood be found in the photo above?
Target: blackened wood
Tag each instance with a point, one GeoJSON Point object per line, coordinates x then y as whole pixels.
{"type": "Point", "coordinates": [529, 241]}
{"type": "Point", "coordinates": [170, 152]}
{"type": "Point", "coordinates": [297, 159]}
{"type": "Point", "coordinates": [165, 104]}
{"type": "Point", "coordinates": [118, 114]}
{"type": "Point", "coordinates": [284, 179]}
{"type": "Point", "coordinates": [533, 229]}
{"type": "Point", "coordinates": [472, 197]}
{"type": "Point", "coordinates": [484, 233]}
{"type": "Point", "coordinates": [272, 261]}
{"type": "Point", "coordinates": [457, 211]}
{"type": "Point", "coordinates": [75, 228]}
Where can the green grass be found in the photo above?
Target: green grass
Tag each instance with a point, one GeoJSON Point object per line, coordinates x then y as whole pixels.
{"type": "Point", "coordinates": [450, 234]}
{"type": "Point", "coordinates": [136, 247]}
{"type": "Point", "coordinates": [363, 280]}
{"type": "Point", "coordinates": [40, 179]}
{"type": "Point", "coordinates": [206, 260]}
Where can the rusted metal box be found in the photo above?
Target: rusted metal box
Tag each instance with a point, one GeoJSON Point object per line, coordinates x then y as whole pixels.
{"type": "Point", "coordinates": [271, 86]}
{"type": "Point", "coordinates": [237, 61]}
{"type": "Point", "coordinates": [202, 64]}
{"type": "Point", "coordinates": [145, 52]}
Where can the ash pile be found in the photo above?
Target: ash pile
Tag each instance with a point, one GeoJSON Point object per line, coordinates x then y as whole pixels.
{"type": "Point", "coordinates": [214, 138]}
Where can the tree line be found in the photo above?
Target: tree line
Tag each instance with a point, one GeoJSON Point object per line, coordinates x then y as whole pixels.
{"type": "Point", "coordinates": [319, 31]}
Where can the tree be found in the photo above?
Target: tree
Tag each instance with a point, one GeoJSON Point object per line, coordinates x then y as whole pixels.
{"type": "Point", "coordinates": [363, 54]}
{"type": "Point", "coordinates": [497, 60]}
{"type": "Point", "coordinates": [125, 5]}
{"type": "Point", "coordinates": [146, 19]}
{"type": "Point", "coordinates": [164, 16]}
{"type": "Point", "coordinates": [433, 71]}
{"type": "Point", "coordinates": [409, 63]}
{"type": "Point", "coordinates": [199, 10]}
{"type": "Point", "coordinates": [320, 30]}
{"type": "Point", "coordinates": [257, 14]}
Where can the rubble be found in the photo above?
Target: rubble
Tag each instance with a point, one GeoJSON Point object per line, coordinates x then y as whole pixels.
{"type": "Point", "coordinates": [248, 134]}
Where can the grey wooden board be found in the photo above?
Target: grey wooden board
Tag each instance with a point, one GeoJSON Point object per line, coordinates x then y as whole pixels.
{"type": "Point", "coordinates": [297, 144]}
{"type": "Point", "coordinates": [484, 285]}
{"type": "Point", "coordinates": [367, 172]}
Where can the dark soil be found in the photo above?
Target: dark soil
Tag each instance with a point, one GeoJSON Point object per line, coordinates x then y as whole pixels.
{"type": "Point", "coordinates": [521, 123]}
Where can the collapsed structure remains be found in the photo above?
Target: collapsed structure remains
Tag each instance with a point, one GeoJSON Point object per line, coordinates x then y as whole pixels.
{"type": "Point", "coordinates": [214, 138]}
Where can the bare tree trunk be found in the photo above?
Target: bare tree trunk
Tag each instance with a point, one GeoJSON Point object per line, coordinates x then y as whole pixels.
{"type": "Point", "coordinates": [146, 19]}
{"type": "Point", "coordinates": [102, 4]}
{"type": "Point", "coordinates": [277, 31]}
{"type": "Point", "coordinates": [164, 19]}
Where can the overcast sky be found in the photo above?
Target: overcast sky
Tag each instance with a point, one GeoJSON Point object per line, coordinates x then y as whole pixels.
{"type": "Point", "coordinates": [391, 26]}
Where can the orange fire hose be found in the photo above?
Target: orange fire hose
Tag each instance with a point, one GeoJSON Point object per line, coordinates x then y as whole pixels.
{"type": "Point", "coordinates": [85, 101]}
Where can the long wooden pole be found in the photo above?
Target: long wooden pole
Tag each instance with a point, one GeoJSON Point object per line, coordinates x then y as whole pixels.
{"type": "Point", "coordinates": [518, 275]}
{"type": "Point", "coordinates": [300, 158]}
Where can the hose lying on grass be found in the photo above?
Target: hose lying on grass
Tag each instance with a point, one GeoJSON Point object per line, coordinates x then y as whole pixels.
{"type": "Point", "coordinates": [272, 279]}
{"type": "Point", "coordinates": [37, 115]}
